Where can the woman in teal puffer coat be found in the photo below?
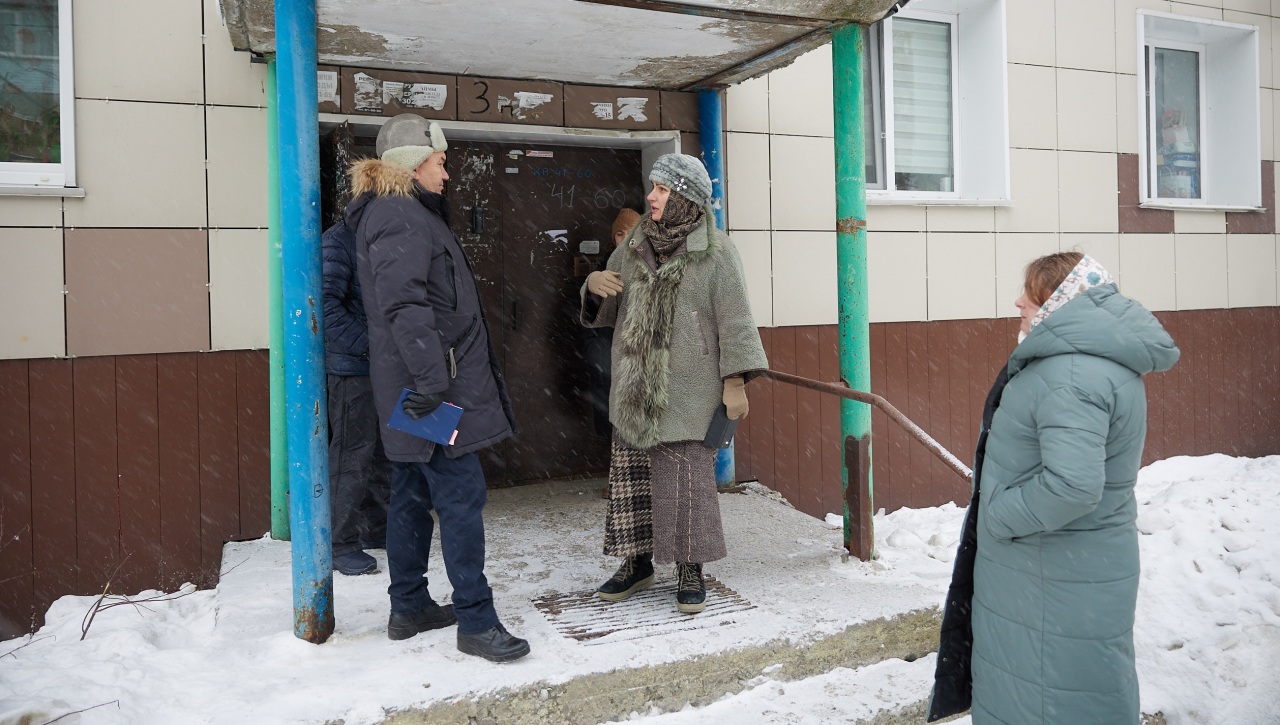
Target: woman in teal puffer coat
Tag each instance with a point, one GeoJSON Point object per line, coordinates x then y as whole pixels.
{"type": "Point", "coordinates": [1056, 572]}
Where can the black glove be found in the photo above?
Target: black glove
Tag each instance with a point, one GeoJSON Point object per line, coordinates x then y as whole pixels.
{"type": "Point", "coordinates": [416, 405]}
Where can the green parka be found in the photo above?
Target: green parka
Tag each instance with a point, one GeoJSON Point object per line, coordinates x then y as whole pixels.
{"type": "Point", "coordinates": [1056, 575]}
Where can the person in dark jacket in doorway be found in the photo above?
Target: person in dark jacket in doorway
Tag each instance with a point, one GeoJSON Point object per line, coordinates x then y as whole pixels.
{"type": "Point", "coordinates": [427, 332]}
{"type": "Point", "coordinates": [359, 472]}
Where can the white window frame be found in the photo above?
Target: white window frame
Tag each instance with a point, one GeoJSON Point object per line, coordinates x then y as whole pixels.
{"type": "Point", "coordinates": [1149, 119]}
{"type": "Point", "coordinates": [1230, 111]}
{"type": "Point", "coordinates": [37, 178]}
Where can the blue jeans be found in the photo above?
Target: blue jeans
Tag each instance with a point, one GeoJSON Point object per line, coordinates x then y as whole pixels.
{"type": "Point", "coordinates": [455, 488]}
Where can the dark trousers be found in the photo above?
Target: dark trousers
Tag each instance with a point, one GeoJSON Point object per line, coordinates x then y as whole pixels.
{"type": "Point", "coordinates": [359, 472]}
{"type": "Point", "coordinates": [455, 488]}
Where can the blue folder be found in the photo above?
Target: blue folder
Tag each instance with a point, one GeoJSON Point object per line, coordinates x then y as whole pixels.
{"type": "Point", "coordinates": [440, 425]}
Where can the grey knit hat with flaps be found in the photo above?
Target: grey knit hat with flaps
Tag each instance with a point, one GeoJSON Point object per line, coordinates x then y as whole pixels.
{"type": "Point", "coordinates": [685, 175]}
{"type": "Point", "coordinates": [407, 140]}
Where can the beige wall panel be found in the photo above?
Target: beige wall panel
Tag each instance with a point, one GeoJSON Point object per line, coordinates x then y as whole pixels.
{"type": "Point", "coordinates": [961, 219]}
{"type": "Point", "coordinates": [1147, 270]}
{"type": "Point", "coordinates": [1210, 10]}
{"type": "Point", "coordinates": [1086, 110]}
{"type": "Point", "coordinates": [31, 211]}
{"type": "Point", "coordinates": [139, 50]}
{"type": "Point", "coordinates": [1275, 52]}
{"type": "Point", "coordinates": [800, 100]}
{"type": "Point", "coordinates": [230, 79]}
{"type": "Point", "coordinates": [1103, 247]}
{"type": "Point", "coordinates": [1266, 117]}
{"type": "Point", "coordinates": [1251, 270]}
{"type": "Point", "coordinates": [140, 164]}
{"type": "Point", "coordinates": [747, 106]}
{"type": "Point", "coordinates": [1034, 181]}
{"type": "Point", "coordinates": [1128, 130]}
{"type": "Point", "coordinates": [962, 275]}
{"type": "Point", "coordinates": [803, 191]}
{"type": "Point", "coordinates": [132, 291]}
{"type": "Point", "coordinates": [1087, 192]}
{"type": "Point", "coordinates": [1260, 7]}
{"type": "Point", "coordinates": [31, 290]}
{"type": "Point", "coordinates": [747, 176]}
{"type": "Point", "coordinates": [804, 279]}
{"type": "Point", "coordinates": [1033, 107]}
{"type": "Point", "coordinates": [897, 277]}
{"type": "Point", "coordinates": [1013, 252]}
{"type": "Point", "coordinates": [1127, 31]}
{"type": "Point", "coordinates": [1200, 222]}
{"type": "Point", "coordinates": [237, 166]}
{"type": "Point", "coordinates": [1031, 32]}
{"type": "Point", "coordinates": [1083, 42]}
{"type": "Point", "coordinates": [756, 251]}
{"type": "Point", "coordinates": [1201, 265]}
{"type": "Point", "coordinates": [896, 218]}
{"type": "Point", "coordinates": [238, 309]}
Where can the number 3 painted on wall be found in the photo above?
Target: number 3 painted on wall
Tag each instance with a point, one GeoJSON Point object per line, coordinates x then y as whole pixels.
{"type": "Point", "coordinates": [482, 97]}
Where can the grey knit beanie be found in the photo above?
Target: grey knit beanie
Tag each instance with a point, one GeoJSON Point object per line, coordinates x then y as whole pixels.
{"type": "Point", "coordinates": [685, 175]}
{"type": "Point", "coordinates": [407, 140]}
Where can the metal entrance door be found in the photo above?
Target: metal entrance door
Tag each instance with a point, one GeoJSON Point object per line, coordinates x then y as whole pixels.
{"type": "Point", "coordinates": [524, 214]}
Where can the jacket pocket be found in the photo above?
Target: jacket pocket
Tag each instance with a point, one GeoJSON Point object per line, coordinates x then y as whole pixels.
{"type": "Point", "coordinates": [460, 346]}
{"type": "Point", "coordinates": [702, 334]}
{"type": "Point", "coordinates": [451, 284]}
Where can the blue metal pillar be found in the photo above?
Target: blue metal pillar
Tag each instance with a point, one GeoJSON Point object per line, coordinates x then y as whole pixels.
{"type": "Point", "coordinates": [711, 133]}
{"type": "Point", "coordinates": [305, 395]}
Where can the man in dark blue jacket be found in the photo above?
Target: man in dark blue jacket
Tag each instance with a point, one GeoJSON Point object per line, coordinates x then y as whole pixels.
{"type": "Point", "coordinates": [359, 472]}
{"type": "Point", "coordinates": [427, 333]}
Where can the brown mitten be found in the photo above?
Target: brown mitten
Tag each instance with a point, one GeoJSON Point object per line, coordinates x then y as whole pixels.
{"type": "Point", "coordinates": [604, 284]}
{"type": "Point", "coordinates": [735, 397]}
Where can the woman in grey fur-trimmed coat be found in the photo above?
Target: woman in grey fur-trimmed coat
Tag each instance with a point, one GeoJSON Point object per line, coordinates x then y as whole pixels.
{"type": "Point", "coordinates": [685, 342]}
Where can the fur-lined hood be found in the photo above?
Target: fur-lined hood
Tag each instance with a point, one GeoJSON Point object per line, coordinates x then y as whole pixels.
{"type": "Point", "coordinates": [382, 178]}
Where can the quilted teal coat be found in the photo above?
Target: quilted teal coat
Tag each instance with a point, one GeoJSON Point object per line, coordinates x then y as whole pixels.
{"type": "Point", "coordinates": [1056, 575]}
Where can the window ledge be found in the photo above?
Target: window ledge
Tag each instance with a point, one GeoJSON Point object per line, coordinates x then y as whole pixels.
{"type": "Point", "coordinates": [1199, 207]}
{"type": "Point", "coordinates": [65, 191]}
{"type": "Point", "coordinates": [889, 200]}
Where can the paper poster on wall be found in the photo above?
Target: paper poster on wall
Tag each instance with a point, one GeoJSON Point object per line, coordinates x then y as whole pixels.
{"type": "Point", "coordinates": [603, 111]}
{"type": "Point", "coordinates": [528, 99]}
{"type": "Point", "coordinates": [327, 86]}
{"type": "Point", "coordinates": [632, 108]}
{"type": "Point", "coordinates": [424, 95]}
{"type": "Point", "coordinates": [367, 95]}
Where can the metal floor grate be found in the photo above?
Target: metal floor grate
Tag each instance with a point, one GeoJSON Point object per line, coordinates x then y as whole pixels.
{"type": "Point", "coordinates": [587, 618]}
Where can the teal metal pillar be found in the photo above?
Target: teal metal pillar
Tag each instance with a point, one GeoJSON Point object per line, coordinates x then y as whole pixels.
{"type": "Point", "coordinates": [711, 134]}
{"type": "Point", "coordinates": [279, 453]}
{"type": "Point", "coordinates": [305, 395]}
{"type": "Point", "coordinates": [851, 262]}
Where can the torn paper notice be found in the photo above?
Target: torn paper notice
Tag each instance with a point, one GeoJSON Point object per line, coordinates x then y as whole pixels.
{"type": "Point", "coordinates": [327, 86]}
{"type": "Point", "coordinates": [367, 94]}
{"type": "Point", "coordinates": [513, 169]}
{"type": "Point", "coordinates": [589, 246]}
{"type": "Point", "coordinates": [603, 111]}
{"type": "Point", "coordinates": [633, 108]}
{"type": "Point", "coordinates": [390, 90]}
{"type": "Point", "coordinates": [529, 99]}
{"type": "Point", "coordinates": [535, 154]}
{"type": "Point", "coordinates": [424, 95]}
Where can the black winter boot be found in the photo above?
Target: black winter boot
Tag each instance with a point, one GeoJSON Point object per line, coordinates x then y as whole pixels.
{"type": "Point", "coordinates": [635, 574]}
{"type": "Point", "coordinates": [691, 590]}
{"type": "Point", "coordinates": [495, 644]}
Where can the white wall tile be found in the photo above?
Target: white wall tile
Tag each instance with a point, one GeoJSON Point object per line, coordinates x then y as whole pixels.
{"type": "Point", "coordinates": [897, 277]}
{"type": "Point", "coordinates": [230, 79]}
{"type": "Point", "coordinates": [1103, 247]}
{"type": "Point", "coordinates": [804, 279]}
{"type": "Point", "coordinates": [1128, 125]}
{"type": "Point", "coordinates": [31, 289]}
{"type": "Point", "coordinates": [31, 211]}
{"type": "Point", "coordinates": [1127, 31]}
{"type": "Point", "coordinates": [1200, 222]}
{"type": "Point", "coordinates": [1251, 270]}
{"type": "Point", "coordinates": [803, 191]}
{"type": "Point", "coordinates": [238, 303]}
{"type": "Point", "coordinates": [140, 164]}
{"type": "Point", "coordinates": [1275, 52]}
{"type": "Point", "coordinates": [1261, 21]}
{"type": "Point", "coordinates": [800, 100]}
{"type": "Point", "coordinates": [1033, 107]}
{"type": "Point", "coordinates": [895, 218]}
{"type": "Point", "coordinates": [1082, 42]}
{"type": "Point", "coordinates": [139, 50]}
{"type": "Point", "coordinates": [1267, 119]}
{"type": "Point", "coordinates": [1259, 7]}
{"type": "Point", "coordinates": [237, 147]}
{"type": "Point", "coordinates": [1030, 32]}
{"type": "Point", "coordinates": [1013, 253]}
{"type": "Point", "coordinates": [1198, 10]}
{"type": "Point", "coordinates": [1034, 180]}
{"type": "Point", "coordinates": [747, 180]}
{"type": "Point", "coordinates": [1088, 192]}
{"type": "Point", "coordinates": [962, 276]}
{"type": "Point", "coordinates": [961, 219]}
{"type": "Point", "coordinates": [1086, 110]}
{"type": "Point", "coordinates": [747, 106]}
{"type": "Point", "coordinates": [1147, 272]}
{"type": "Point", "coordinates": [756, 251]}
{"type": "Point", "coordinates": [1201, 268]}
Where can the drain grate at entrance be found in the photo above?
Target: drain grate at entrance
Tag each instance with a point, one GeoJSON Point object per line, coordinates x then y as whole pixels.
{"type": "Point", "coordinates": [587, 618]}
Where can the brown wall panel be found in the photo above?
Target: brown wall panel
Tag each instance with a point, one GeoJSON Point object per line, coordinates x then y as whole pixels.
{"type": "Point", "coordinates": [179, 470]}
{"type": "Point", "coordinates": [253, 442]}
{"type": "Point", "coordinates": [97, 481]}
{"type": "Point", "coordinates": [813, 488]}
{"type": "Point", "coordinates": [137, 419]}
{"type": "Point", "coordinates": [53, 475]}
{"type": "Point", "coordinates": [219, 462]}
{"type": "Point", "coordinates": [17, 582]}
{"type": "Point", "coordinates": [897, 393]}
{"type": "Point", "coordinates": [763, 441]}
{"type": "Point", "coordinates": [832, 496]}
{"type": "Point", "coordinates": [786, 423]}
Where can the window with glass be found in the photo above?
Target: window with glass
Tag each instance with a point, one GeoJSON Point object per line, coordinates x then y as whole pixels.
{"type": "Point", "coordinates": [1173, 115]}
{"type": "Point", "coordinates": [36, 100]}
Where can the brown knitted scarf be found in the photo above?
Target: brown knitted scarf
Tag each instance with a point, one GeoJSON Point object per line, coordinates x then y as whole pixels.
{"type": "Point", "coordinates": [679, 218]}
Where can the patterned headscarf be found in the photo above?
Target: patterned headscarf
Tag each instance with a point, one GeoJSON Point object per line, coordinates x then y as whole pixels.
{"type": "Point", "coordinates": [1087, 273]}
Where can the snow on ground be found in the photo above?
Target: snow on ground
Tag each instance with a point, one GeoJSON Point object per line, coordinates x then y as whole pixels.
{"type": "Point", "coordinates": [1207, 636]}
